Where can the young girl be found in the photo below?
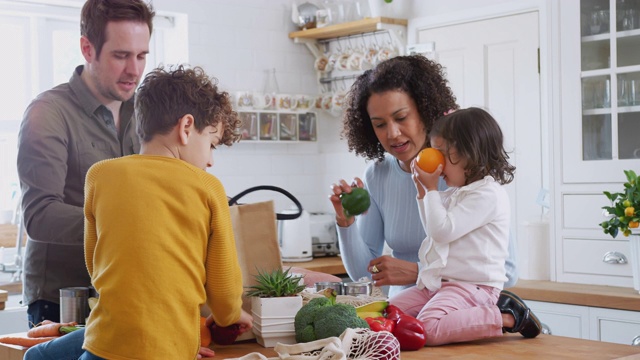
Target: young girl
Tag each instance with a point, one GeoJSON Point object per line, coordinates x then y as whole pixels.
{"type": "Point", "coordinates": [458, 293]}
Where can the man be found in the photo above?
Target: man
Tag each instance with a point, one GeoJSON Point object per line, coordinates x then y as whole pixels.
{"type": "Point", "coordinates": [67, 129]}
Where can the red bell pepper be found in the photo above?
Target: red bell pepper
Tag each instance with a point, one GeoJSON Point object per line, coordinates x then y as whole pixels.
{"type": "Point", "coordinates": [381, 323]}
{"type": "Point", "coordinates": [408, 330]}
{"type": "Point", "coordinates": [392, 312]}
{"type": "Point", "coordinates": [410, 333]}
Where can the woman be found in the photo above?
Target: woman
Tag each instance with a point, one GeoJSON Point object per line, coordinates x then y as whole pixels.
{"type": "Point", "coordinates": [389, 114]}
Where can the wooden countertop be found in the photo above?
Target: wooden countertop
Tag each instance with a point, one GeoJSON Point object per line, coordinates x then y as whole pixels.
{"type": "Point", "coordinates": [611, 297]}
{"type": "Point", "coordinates": [510, 346]}
{"type": "Point", "coordinates": [328, 265]}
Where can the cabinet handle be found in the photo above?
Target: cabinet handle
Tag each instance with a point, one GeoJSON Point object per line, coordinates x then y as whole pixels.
{"type": "Point", "coordinates": [636, 341]}
{"type": "Point", "coordinates": [614, 257]}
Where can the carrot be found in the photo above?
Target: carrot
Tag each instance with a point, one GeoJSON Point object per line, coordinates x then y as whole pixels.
{"type": "Point", "coordinates": [25, 341]}
{"type": "Point", "coordinates": [49, 328]}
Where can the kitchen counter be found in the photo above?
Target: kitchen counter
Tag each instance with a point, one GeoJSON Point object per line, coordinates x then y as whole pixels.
{"type": "Point", "coordinates": [612, 297]}
{"type": "Point", "coordinates": [328, 265]}
{"type": "Point", "coordinates": [510, 346]}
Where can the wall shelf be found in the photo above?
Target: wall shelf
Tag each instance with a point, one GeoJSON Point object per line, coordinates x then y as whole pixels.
{"type": "Point", "coordinates": [278, 127]}
{"type": "Point", "coordinates": [348, 28]}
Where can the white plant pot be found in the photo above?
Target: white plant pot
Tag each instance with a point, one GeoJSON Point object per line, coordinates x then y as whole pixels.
{"type": "Point", "coordinates": [273, 319]}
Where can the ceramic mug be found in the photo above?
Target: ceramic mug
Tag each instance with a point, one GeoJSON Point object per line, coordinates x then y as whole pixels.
{"type": "Point", "coordinates": [244, 100]}
{"type": "Point", "coordinates": [337, 103]}
{"type": "Point", "coordinates": [327, 100]}
{"type": "Point", "coordinates": [261, 100]}
{"type": "Point", "coordinates": [321, 64]}
{"type": "Point", "coordinates": [304, 102]}
{"type": "Point", "coordinates": [286, 102]}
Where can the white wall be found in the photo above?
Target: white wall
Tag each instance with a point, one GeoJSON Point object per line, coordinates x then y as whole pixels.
{"type": "Point", "coordinates": [236, 41]}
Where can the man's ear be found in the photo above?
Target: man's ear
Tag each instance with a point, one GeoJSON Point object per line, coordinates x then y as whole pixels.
{"type": "Point", "coordinates": [87, 49]}
{"type": "Point", "coordinates": [186, 127]}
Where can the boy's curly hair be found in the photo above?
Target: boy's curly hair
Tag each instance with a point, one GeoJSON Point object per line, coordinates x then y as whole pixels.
{"type": "Point", "coordinates": [420, 78]}
{"type": "Point", "coordinates": [165, 96]}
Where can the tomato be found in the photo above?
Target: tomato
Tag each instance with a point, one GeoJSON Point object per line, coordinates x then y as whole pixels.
{"type": "Point", "coordinates": [629, 211]}
{"type": "Point", "coordinates": [429, 159]}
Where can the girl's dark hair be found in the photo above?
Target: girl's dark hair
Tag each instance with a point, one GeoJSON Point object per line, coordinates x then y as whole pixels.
{"type": "Point", "coordinates": [477, 137]}
{"type": "Point", "coordinates": [420, 78]}
{"type": "Point", "coordinates": [166, 96]}
{"type": "Point", "coordinates": [97, 13]}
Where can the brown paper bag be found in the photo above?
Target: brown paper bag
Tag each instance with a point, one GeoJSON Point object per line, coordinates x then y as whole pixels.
{"type": "Point", "coordinates": [256, 234]}
{"type": "Point", "coordinates": [255, 230]}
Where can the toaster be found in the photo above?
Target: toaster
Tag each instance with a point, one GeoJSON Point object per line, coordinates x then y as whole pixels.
{"type": "Point", "coordinates": [324, 236]}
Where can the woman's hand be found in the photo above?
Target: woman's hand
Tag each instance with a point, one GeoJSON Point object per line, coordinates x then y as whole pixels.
{"type": "Point", "coordinates": [336, 190]}
{"type": "Point", "coordinates": [387, 270]}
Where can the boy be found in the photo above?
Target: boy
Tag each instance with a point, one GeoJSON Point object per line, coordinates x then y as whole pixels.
{"type": "Point", "coordinates": [158, 236]}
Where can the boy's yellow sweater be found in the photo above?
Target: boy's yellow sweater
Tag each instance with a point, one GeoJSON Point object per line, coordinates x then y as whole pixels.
{"type": "Point", "coordinates": [158, 244]}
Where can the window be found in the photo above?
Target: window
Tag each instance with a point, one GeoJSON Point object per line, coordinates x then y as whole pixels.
{"type": "Point", "coordinates": [41, 48]}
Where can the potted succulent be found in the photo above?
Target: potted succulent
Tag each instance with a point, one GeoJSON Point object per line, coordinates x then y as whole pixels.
{"type": "Point", "coordinates": [624, 216]}
{"type": "Point", "coordinates": [275, 301]}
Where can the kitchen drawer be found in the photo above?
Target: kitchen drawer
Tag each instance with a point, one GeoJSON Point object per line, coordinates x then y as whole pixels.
{"type": "Point", "coordinates": [583, 211]}
{"type": "Point", "coordinates": [562, 319]}
{"type": "Point", "coordinates": [584, 256]}
{"type": "Point", "coordinates": [616, 326]}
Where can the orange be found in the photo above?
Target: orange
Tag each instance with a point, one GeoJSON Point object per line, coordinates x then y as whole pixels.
{"type": "Point", "coordinates": [429, 159]}
{"type": "Point", "coordinates": [633, 224]}
{"type": "Point", "coordinates": [205, 333]}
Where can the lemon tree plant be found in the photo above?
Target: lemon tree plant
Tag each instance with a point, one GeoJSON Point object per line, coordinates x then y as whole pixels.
{"type": "Point", "coordinates": [624, 211]}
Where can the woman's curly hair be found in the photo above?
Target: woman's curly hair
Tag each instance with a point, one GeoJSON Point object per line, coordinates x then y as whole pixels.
{"type": "Point", "coordinates": [420, 78]}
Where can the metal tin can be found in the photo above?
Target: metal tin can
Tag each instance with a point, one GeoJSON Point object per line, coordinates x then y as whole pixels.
{"type": "Point", "coordinates": [337, 286]}
{"type": "Point", "coordinates": [358, 288]}
{"type": "Point", "coordinates": [74, 304]}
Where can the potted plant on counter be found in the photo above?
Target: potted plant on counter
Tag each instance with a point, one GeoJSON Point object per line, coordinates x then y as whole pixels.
{"type": "Point", "coordinates": [275, 301]}
{"type": "Point", "coordinates": [624, 216]}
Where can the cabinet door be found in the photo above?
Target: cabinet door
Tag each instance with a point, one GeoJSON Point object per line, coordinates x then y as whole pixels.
{"type": "Point", "coordinates": [600, 73]}
{"type": "Point", "coordinates": [617, 326]}
{"type": "Point", "coordinates": [561, 319]}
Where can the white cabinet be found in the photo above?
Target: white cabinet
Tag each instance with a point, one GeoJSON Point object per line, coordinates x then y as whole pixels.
{"type": "Point", "coordinates": [561, 319]}
{"type": "Point", "coordinates": [598, 135]}
{"type": "Point", "coordinates": [584, 322]}
{"type": "Point", "coordinates": [600, 69]}
{"type": "Point", "coordinates": [617, 326]}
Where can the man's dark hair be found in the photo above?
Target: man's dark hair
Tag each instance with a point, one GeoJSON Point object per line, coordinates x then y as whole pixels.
{"type": "Point", "coordinates": [97, 13]}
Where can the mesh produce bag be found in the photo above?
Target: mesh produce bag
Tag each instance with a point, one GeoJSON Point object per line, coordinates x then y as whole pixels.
{"type": "Point", "coordinates": [353, 344]}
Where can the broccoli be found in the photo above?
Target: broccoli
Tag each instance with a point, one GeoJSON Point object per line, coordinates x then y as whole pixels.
{"type": "Point", "coordinates": [322, 318]}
